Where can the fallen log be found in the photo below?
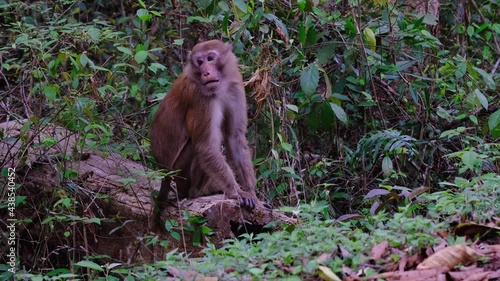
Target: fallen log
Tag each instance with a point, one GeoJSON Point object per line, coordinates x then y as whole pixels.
{"type": "Point", "coordinates": [114, 192]}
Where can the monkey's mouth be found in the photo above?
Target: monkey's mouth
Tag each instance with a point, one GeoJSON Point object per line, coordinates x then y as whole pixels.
{"type": "Point", "coordinates": [211, 81]}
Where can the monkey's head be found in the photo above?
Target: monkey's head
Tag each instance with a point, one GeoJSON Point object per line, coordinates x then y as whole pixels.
{"type": "Point", "coordinates": [212, 65]}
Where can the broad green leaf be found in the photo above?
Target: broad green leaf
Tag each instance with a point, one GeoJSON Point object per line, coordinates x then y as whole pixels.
{"type": "Point", "coordinates": [441, 112]}
{"type": "Point", "coordinates": [370, 38]}
{"type": "Point", "coordinates": [141, 56]}
{"type": "Point", "coordinates": [155, 66]}
{"type": "Point", "coordinates": [309, 79]}
{"type": "Point", "coordinates": [311, 36]}
{"type": "Point", "coordinates": [302, 34]}
{"type": "Point", "coordinates": [325, 54]}
{"type": "Point", "coordinates": [90, 264]}
{"type": "Point", "coordinates": [143, 15]}
{"type": "Point", "coordinates": [94, 34]}
{"type": "Point", "coordinates": [339, 112]}
{"type": "Point", "coordinates": [487, 78]}
{"type": "Point", "coordinates": [313, 118]}
{"type": "Point", "coordinates": [198, 19]}
{"type": "Point", "coordinates": [470, 30]}
{"type": "Point", "coordinates": [326, 116]}
{"type": "Point", "coordinates": [482, 98]}
{"type": "Point", "coordinates": [240, 4]}
{"type": "Point", "coordinates": [350, 28]}
{"type": "Point", "coordinates": [301, 4]}
{"type": "Point", "coordinates": [179, 42]}
{"type": "Point", "coordinates": [473, 118]}
{"type": "Point", "coordinates": [293, 108]}
{"type": "Point", "coordinates": [203, 4]}
{"type": "Point", "coordinates": [84, 59]}
{"type": "Point", "coordinates": [124, 50]}
{"type": "Point", "coordinates": [494, 124]}
{"type": "Point", "coordinates": [50, 92]}
{"type": "Point", "coordinates": [470, 159]}
{"type": "Point", "coordinates": [175, 235]}
{"type": "Point", "coordinates": [278, 23]}
{"type": "Point", "coordinates": [387, 167]}
{"type": "Point", "coordinates": [286, 146]}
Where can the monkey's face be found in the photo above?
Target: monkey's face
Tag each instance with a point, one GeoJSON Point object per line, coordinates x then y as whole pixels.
{"type": "Point", "coordinates": [207, 67]}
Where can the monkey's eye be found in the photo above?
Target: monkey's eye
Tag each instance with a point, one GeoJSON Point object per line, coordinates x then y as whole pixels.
{"type": "Point", "coordinates": [210, 58]}
{"type": "Point", "coordinates": [199, 61]}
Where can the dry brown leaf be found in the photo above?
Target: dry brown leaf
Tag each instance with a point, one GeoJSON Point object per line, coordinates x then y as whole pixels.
{"type": "Point", "coordinates": [379, 250]}
{"type": "Point", "coordinates": [325, 256]}
{"type": "Point", "coordinates": [413, 275]}
{"type": "Point", "coordinates": [484, 276]}
{"type": "Point", "coordinates": [463, 274]}
{"type": "Point", "coordinates": [450, 257]}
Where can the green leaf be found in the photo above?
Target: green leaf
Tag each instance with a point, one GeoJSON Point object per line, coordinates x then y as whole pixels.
{"type": "Point", "coordinates": [313, 119]}
{"type": "Point", "coordinates": [293, 108]}
{"type": "Point", "coordinates": [198, 19]}
{"type": "Point", "coordinates": [124, 50]}
{"type": "Point", "coordinates": [203, 4]}
{"type": "Point", "coordinates": [288, 170]}
{"type": "Point", "coordinates": [302, 34]}
{"type": "Point", "coordinates": [179, 42]}
{"type": "Point", "coordinates": [487, 78]}
{"type": "Point", "coordinates": [370, 38]}
{"type": "Point", "coordinates": [278, 23]}
{"type": "Point", "coordinates": [155, 66]}
{"type": "Point", "coordinates": [143, 15]}
{"type": "Point", "coordinates": [474, 119]}
{"type": "Point", "coordinates": [494, 124]}
{"type": "Point", "coordinates": [470, 30]}
{"type": "Point", "coordinates": [309, 79]}
{"type": "Point", "coordinates": [339, 112]}
{"type": "Point", "coordinates": [311, 36]}
{"type": "Point", "coordinates": [94, 34]}
{"type": "Point", "coordinates": [470, 159]}
{"type": "Point", "coordinates": [326, 115]}
{"type": "Point", "coordinates": [286, 146]}
{"type": "Point", "coordinates": [325, 54]}
{"type": "Point", "coordinates": [482, 98]}
{"type": "Point", "coordinates": [241, 5]}
{"type": "Point", "coordinates": [350, 28]}
{"type": "Point", "coordinates": [50, 92]}
{"type": "Point", "coordinates": [175, 235]}
{"type": "Point", "coordinates": [84, 59]}
{"type": "Point", "coordinates": [141, 56]}
{"type": "Point", "coordinates": [301, 4]}
{"type": "Point", "coordinates": [387, 167]}
{"type": "Point", "coordinates": [90, 264]}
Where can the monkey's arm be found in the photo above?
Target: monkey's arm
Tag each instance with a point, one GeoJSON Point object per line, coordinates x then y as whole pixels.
{"type": "Point", "coordinates": [239, 156]}
{"type": "Point", "coordinates": [206, 135]}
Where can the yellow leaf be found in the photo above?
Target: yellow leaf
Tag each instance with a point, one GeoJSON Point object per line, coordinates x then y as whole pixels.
{"type": "Point", "coordinates": [370, 38]}
{"type": "Point", "coordinates": [327, 274]}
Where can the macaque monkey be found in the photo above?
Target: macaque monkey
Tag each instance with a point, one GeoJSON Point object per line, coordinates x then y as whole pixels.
{"type": "Point", "coordinates": [205, 109]}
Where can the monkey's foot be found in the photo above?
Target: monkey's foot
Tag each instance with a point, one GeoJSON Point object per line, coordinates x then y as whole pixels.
{"type": "Point", "coordinates": [246, 199]}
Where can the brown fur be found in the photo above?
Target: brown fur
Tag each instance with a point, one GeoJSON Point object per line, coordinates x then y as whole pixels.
{"type": "Point", "coordinates": [195, 119]}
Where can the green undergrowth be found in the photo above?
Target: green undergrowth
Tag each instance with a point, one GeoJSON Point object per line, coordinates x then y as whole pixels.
{"type": "Point", "coordinates": [297, 251]}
